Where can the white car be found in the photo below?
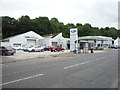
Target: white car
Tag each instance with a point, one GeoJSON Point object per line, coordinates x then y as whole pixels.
{"type": "Point", "coordinates": [17, 47]}
{"type": "Point", "coordinates": [36, 48]}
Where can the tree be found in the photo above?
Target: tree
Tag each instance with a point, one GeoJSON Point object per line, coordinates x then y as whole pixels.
{"type": "Point", "coordinates": [23, 24]}
{"type": "Point", "coordinates": [112, 32]}
{"type": "Point", "coordinates": [78, 25]}
{"type": "Point", "coordinates": [96, 31]}
{"type": "Point", "coordinates": [85, 30]}
{"type": "Point", "coordinates": [54, 19]}
{"type": "Point", "coordinates": [43, 26]}
{"type": "Point", "coordinates": [8, 26]}
{"type": "Point", "coordinates": [55, 25]}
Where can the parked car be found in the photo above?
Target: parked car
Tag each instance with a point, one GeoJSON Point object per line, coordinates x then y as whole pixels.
{"type": "Point", "coordinates": [36, 48]}
{"type": "Point", "coordinates": [113, 47]}
{"type": "Point", "coordinates": [118, 47]}
{"type": "Point", "coordinates": [25, 48]}
{"type": "Point", "coordinates": [18, 47]}
{"type": "Point", "coordinates": [54, 49]}
{"type": "Point", "coordinates": [7, 50]}
{"type": "Point", "coordinates": [47, 48]}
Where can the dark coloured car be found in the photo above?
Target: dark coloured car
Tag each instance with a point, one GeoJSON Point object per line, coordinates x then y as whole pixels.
{"type": "Point", "coordinates": [7, 50]}
{"type": "Point", "coordinates": [47, 48]}
{"type": "Point", "coordinates": [113, 47]}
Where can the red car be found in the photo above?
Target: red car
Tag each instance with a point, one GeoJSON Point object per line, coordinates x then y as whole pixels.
{"type": "Point", "coordinates": [54, 49]}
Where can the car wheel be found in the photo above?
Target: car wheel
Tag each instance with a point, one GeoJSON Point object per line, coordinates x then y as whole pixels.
{"type": "Point", "coordinates": [63, 50]}
{"type": "Point", "coordinates": [42, 50]}
{"type": "Point", "coordinates": [33, 50]}
{"type": "Point", "coordinates": [12, 53]}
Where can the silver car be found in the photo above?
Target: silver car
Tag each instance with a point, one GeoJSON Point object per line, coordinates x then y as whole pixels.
{"type": "Point", "coordinates": [36, 49]}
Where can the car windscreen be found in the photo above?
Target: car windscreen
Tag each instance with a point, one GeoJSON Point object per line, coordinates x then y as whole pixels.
{"type": "Point", "coordinates": [31, 46]}
{"type": "Point", "coordinates": [8, 47]}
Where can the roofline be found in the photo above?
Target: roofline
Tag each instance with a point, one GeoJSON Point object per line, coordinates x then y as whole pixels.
{"type": "Point", "coordinates": [16, 35]}
{"type": "Point", "coordinates": [95, 38]}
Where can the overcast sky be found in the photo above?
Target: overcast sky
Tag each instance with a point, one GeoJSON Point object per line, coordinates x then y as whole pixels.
{"type": "Point", "coordinates": [99, 13]}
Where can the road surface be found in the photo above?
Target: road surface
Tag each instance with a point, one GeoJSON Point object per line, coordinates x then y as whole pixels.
{"type": "Point", "coordinates": [95, 70]}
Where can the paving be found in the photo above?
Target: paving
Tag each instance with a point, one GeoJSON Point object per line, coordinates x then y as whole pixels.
{"type": "Point", "coordinates": [21, 55]}
{"type": "Point", "coordinates": [98, 70]}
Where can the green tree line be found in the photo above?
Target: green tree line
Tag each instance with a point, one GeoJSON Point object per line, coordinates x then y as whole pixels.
{"type": "Point", "coordinates": [44, 26]}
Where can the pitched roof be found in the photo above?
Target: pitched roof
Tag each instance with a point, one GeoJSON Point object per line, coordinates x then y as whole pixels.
{"type": "Point", "coordinates": [51, 35]}
{"type": "Point", "coordinates": [22, 34]}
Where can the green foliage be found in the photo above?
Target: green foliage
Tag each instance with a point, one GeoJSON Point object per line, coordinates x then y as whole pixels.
{"type": "Point", "coordinates": [85, 30]}
{"type": "Point", "coordinates": [23, 24]}
{"type": "Point", "coordinates": [41, 25]}
{"type": "Point", "coordinates": [44, 26]}
{"type": "Point", "coordinates": [8, 26]}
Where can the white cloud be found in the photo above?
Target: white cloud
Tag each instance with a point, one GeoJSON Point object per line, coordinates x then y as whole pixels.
{"type": "Point", "coordinates": [101, 13]}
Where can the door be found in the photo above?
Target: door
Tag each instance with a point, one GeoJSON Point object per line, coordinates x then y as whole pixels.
{"type": "Point", "coordinates": [31, 42]}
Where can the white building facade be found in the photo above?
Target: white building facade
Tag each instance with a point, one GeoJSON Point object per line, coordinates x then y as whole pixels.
{"type": "Point", "coordinates": [96, 42]}
{"type": "Point", "coordinates": [117, 42]}
{"type": "Point", "coordinates": [28, 38]}
{"type": "Point", "coordinates": [57, 40]}
{"type": "Point", "coordinates": [104, 43]}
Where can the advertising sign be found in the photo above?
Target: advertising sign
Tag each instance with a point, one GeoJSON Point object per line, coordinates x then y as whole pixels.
{"type": "Point", "coordinates": [73, 39]}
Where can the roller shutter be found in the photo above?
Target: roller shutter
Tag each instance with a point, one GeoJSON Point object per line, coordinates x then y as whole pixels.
{"type": "Point", "coordinates": [31, 42]}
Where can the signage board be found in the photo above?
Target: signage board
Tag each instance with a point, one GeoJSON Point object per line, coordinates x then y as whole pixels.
{"type": "Point", "coordinates": [73, 39]}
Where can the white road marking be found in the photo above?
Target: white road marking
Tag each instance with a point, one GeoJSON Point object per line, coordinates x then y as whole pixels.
{"type": "Point", "coordinates": [71, 66]}
{"type": "Point", "coordinates": [76, 65]}
{"type": "Point", "coordinates": [22, 79]}
{"type": "Point", "coordinates": [84, 62]}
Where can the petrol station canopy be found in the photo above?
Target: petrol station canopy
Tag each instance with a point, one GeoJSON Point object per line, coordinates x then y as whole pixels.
{"type": "Point", "coordinates": [101, 38]}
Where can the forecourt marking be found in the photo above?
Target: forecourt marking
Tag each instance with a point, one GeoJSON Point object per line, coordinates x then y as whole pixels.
{"type": "Point", "coordinates": [76, 65]}
{"type": "Point", "coordinates": [22, 79]}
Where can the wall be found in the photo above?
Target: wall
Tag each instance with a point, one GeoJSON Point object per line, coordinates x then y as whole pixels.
{"type": "Point", "coordinates": [60, 40]}
{"type": "Point", "coordinates": [46, 41]}
{"type": "Point", "coordinates": [22, 38]}
{"type": "Point", "coordinates": [117, 42]}
{"type": "Point", "coordinates": [18, 39]}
